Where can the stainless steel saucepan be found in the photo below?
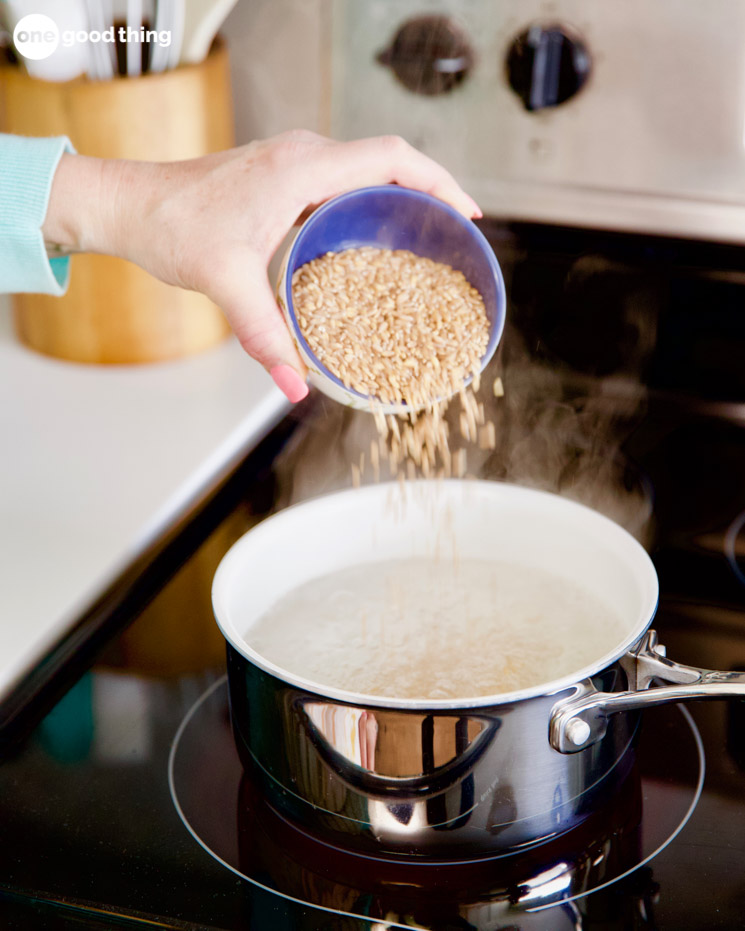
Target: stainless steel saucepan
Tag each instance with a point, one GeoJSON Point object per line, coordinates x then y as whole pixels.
{"type": "Point", "coordinates": [456, 779]}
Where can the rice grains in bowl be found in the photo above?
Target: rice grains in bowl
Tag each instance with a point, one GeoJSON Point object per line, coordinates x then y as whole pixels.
{"type": "Point", "coordinates": [391, 324]}
{"type": "Point", "coordinates": [396, 302]}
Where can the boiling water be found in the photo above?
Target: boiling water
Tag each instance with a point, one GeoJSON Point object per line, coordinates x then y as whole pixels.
{"type": "Point", "coordinates": [431, 629]}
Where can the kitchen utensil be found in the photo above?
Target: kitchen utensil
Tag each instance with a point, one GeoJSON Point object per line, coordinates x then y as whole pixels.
{"type": "Point", "coordinates": [134, 49]}
{"type": "Point", "coordinates": [101, 67]}
{"type": "Point", "coordinates": [107, 14]}
{"type": "Point", "coordinates": [177, 18]}
{"type": "Point", "coordinates": [390, 217]}
{"type": "Point", "coordinates": [203, 19]}
{"type": "Point", "coordinates": [159, 54]}
{"type": "Point", "coordinates": [466, 778]}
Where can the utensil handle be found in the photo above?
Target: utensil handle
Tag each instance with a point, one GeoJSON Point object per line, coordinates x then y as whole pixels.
{"type": "Point", "coordinates": [582, 720]}
{"type": "Point", "coordinates": [178, 20]}
{"type": "Point", "coordinates": [159, 55]}
{"type": "Point", "coordinates": [134, 48]}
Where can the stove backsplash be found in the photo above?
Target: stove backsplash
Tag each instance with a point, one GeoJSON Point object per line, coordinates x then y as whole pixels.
{"type": "Point", "coordinates": [625, 116]}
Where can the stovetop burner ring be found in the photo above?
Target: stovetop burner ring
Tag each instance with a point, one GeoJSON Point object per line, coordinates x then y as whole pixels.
{"type": "Point", "coordinates": [211, 709]}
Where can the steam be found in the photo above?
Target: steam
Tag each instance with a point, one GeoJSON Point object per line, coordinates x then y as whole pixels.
{"type": "Point", "coordinates": [564, 436]}
{"type": "Point", "coordinates": [555, 432]}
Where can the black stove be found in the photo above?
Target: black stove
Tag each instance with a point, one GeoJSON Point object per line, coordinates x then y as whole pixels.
{"type": "Point", "coordinates": [229, 817]}
{"type": "Point", "coordinates": [123, 804]}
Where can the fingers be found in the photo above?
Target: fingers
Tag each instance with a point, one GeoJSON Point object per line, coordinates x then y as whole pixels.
{"type": "Point", "coordinates": [389, 158]}
{"type": "Point", "coordinates": [252, 311]}
{"type": "Point", "coordinates": [312, 169]}
{"type": "Point", "coordinates": [289, 382]}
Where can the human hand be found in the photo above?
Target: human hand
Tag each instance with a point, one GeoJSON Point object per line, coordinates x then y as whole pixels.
{"type": "Point", "coordinates": [212, 224]}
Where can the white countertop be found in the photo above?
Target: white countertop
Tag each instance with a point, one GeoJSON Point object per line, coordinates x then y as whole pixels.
{"type": "Point", "coordinates": [97, 462]}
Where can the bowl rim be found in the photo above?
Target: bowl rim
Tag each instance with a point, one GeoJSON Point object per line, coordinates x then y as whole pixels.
{"type": "Point", "coordinates": [393, 190]}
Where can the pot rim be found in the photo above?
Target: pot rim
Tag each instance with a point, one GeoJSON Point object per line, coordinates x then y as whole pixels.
{"type": "Point", "coordinates": [577, 510]}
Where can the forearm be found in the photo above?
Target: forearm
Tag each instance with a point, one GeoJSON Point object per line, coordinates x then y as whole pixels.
{"type": "Point", "coordinates": [90, 204]}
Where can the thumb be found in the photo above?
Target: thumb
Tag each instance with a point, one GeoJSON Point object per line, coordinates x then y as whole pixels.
{"type": "Point", "coordinates": [257, 321]}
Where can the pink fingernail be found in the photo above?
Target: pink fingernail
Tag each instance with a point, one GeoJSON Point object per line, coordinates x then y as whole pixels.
{"type": "Point", "coordinates": [289, 383]}
{"type": "Point", "coordinates": [477, 213]}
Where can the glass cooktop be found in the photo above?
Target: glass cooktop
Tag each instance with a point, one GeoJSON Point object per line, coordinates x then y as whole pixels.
{"type": "Point", "coordinates": [228, 817]}
{"type": "Point", "coordinates": [608, 388]}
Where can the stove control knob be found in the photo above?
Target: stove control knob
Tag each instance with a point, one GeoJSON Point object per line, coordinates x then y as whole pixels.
{"type": "Point", "coordinates": [547, 65]}
{"type": "Point", "coordinates": [429, 55]}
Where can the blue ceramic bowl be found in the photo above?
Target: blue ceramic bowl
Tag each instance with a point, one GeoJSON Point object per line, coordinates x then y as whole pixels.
{"type": "Point", "coordinates": [391, 217]}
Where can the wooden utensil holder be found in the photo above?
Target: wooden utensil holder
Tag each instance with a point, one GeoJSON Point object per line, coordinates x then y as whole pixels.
{"type": "Point", "coordinates": [113, 311]}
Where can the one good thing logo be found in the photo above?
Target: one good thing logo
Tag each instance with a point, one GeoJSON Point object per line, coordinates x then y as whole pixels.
{"type": "Point", "coordinates": [37, 36]}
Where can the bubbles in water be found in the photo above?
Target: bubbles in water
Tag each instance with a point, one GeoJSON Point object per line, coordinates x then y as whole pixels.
{"type": "Point", "coordinates": [436, 629]}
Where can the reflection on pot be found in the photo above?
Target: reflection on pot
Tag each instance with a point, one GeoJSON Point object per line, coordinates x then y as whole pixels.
{"type": "Point", "coordinates": [352, 732]}
{"type": "Point", "coordinates": [482, 895]}
{"type": "Point", "coordinates": [435, 785]}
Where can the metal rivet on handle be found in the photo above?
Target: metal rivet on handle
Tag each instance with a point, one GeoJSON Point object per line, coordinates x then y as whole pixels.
{"type": "Point", "coordinates": [577, 731]}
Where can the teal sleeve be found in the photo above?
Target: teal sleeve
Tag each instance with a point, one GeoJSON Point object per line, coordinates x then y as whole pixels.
{"type": "Point", "coordinates": [27, 166]}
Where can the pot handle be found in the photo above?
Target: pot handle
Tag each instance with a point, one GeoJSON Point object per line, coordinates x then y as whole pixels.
{"type": "Point", "coordinates": [385, 786]}
{"type": "Point", "coordinates": [581, 720]}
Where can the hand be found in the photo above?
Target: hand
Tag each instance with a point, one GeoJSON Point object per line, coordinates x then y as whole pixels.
{"type": "Point", "coordinates": [212, 224]}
